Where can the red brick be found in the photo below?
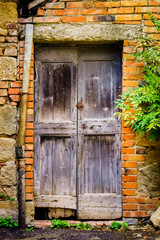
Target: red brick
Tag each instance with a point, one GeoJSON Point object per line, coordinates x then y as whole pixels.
{"type": "Point", "coordinates": [154, 2]}
{"type": "Point", "coordinates": [29, 160]}
{"type": "Point", "coordinates": [130, 207]}
{"type": "Point", "coordinates": [106, 4]}
{"type": "Point", "coordinates": [133, 77]}
{"type": "Point", "coordinates": [134, 157]}
{"type": "Point", "coordinates": [30, 104]}
{"type": "Point", "coordinates": [79, 5]}
{"type": "Point", "coordinates": [15, 98]}
{"type": "Point", "coordinates": [147, 207]}
{"type": "Point", "coordinates": [129, 143]}
{"type": "Point", "coordinates": [129, 185]}
{"type": "Point", "coordinates": [154, 36]}
{"type": "Point", "coordinates": [128, 3]}
{"type": "Point", "coordinates": [73, 19]}
{"type": "Point", "coordinates": [93, 11]}
{"type": "Point", "coordinates": [121, 10]}
{"type": "Point", "coordinates": [130, 83]}
{"type": "Point", "coordinates": [128, 63]}
{"type": "Point", "coordinates": [135, 214]}
{"type": "Point", "coordinates": [147, 9]}
{"type": "Point", "coordinates": [130, 69]}
{"type": "Point", "coordinates": [130, 171]}
{"type": "Point", "coordinates": [129, 49]}
{"type": "Point", "coordinates": [14, 91]}
{"type": "Point", "coordinates": [29, 139]}
{"type": "Point", "coordinates": [66, 12]}
{"type": "Point", "coordinates": [29, 196]}
{"type": "Point", "coordinates": [130, 178]}
{"type": "Point", "coordinates": [129, 192]}
{"type": "Point", "coordinates": [10, 52]}
{"type": "Point", "coordinates": [128, 150]}
{"type": "Point", "coordinates": [129, 164]}
{"type": "Point", "coordinates": [29, 168]}
{"type": "Point", "coordinates": [21, 43]}
{"type": "Point", "coordinates": [13, 104]}
{"type": "Point", "coordinates": [3, 92]}
{"type": "Point", "coordinates": [29, 174]}
{"type": "Point", "coordinates": [128, 137]}
{"type": "Point", "coordinates": [45, 19]}
{"type": "Point", "coordinates": [128, 17]}
{"type": "Point", "coordinates": [28, 154]}
{"type": "Point", "coordinates": [137, 200]}
{"type": "Point", "coordinates": [26, 20]}
{"type": "Point", "coordinates": [29, 182]}
{"type": "Point", "coordinates": [40, 12]}
{"type": "Point", "coordinates": [16, 84]}
{"type": "Point", "coordinates": [29, 125]}
{"type": "Point", "coordinates": [150, 30]}
{"type": "Point", "coordinates": [29, 147]}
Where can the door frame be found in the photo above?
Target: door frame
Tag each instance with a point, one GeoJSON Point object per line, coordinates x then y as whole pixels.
{"type": "Point", "coordinates": [57, 45]}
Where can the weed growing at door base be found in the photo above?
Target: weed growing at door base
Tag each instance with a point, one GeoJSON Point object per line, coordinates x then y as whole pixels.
{"type": "Point", "coordinates": [59, 224]}
{"type": "Point", "coordinates": [118, 226]}
{"type": "Point", "coordinates": [7, 222]}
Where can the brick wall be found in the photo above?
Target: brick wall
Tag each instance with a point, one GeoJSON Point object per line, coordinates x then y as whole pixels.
{"type": "Point", "coordinates": [132, 12]}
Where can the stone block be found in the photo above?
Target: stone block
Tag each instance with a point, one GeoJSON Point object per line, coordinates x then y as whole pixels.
{"type": "Point", "coordinates": [8, 68]}
{"type": "Point", "coordinates": [8, 13]}
{"type": "Point", "coordinates": [149, 180]}
{"type": "Point", "coordinates": [8, 174]}
{"type": "Point", "coordinates": [89, 32]}
{"type": "Point", "coordinates": [155, 218]}
{"type": "Point", "coordinates": [9, 208]}
{"type": "Point", "coordinates": [9, 191]}
{"type": "Point", "coordinates": [144, 141]}
{"type": "Point", "coordinates": [3, 32]}
{"type": "Point", "coordinates": [8, 120]}
{"type": "Point", "coordinates": [30, 212]}
{"type": "Point", "coordinates": [7, 149]}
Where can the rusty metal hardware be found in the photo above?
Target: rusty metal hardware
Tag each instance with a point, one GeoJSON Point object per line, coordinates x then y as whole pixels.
{"type": "Point", "coordinates": [80, 106]}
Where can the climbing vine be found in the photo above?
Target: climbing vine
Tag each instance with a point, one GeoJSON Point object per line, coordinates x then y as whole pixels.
{"type": "Point", "coordinates": [145, 99]}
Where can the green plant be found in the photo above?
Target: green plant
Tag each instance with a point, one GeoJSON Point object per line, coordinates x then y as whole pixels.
{"type": "Point", "coordinates": [145, 99]}
{"type": "Point", "coordinates": [117, 225]}
{"type": "Point", "coordinates": [5, 198]}
{"type": "Point", "coordinates": [82, 226]}
{"type": "Point", "coordinates": [30, 229]}
{"type": "Point", "coordinates": [7, 222]}
{"type": "Point", "coordinates": [58, 224]}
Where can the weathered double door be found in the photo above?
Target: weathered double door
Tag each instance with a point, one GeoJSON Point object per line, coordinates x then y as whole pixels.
{"type": "Point", "coordinates": [77, 142]}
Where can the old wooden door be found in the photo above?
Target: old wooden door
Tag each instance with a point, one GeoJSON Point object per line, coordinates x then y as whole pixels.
{"type": "Point", "coordinates": [77, 144]}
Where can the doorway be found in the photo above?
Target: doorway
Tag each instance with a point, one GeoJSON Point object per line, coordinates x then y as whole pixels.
{"type": "Point", "coordinates": [77, 137]}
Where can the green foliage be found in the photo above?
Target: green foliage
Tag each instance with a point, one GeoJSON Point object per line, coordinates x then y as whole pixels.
{"type": "Point", "coordinates": [82, 226]}
{"type": "Point", "coordinates": [5, 198]}
{"type": "Point", "coordinates": [145, 99]}
{"type": "Point", "coordinates": [58, 224]}
{"type": "Point", "coordinates": [7, 222]}
{"type": "Point", "coordinates": [116, 225]}
{"type": "Point", "coordinates": [30, 229]}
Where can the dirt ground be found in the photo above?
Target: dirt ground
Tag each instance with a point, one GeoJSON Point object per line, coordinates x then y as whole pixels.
{"type": "Point", "coordinates": [69, 234]}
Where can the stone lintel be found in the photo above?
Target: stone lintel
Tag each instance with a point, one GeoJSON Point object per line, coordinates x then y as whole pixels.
{"type": "Point", "coordinates": [85, 33]}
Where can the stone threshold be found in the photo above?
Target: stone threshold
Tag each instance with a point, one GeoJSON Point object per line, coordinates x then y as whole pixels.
{"type": "Point", "coordinates": [47, 223]}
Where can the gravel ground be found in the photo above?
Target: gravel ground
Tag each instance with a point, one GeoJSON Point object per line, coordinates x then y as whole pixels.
{"type": "Point", "coordinates": [70, 234]}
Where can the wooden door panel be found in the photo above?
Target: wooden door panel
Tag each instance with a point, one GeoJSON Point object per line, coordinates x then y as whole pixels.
{"type": "Point", "coordinates": [55, 128]}
{"type": "Point", "coordinates": [99, 81]}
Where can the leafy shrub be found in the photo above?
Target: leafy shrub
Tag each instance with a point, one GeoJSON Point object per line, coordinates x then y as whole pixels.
{"type": "Point", "coordinates": [82, 226]}
{"type": "Point", "coordinates": [117, 225]}
{"type": "Point", "coordinates": [145, 99]}
{"type": "Point", "coordinates": [58, 224]}
{"type": "Point", "coordinates": [7, 222]}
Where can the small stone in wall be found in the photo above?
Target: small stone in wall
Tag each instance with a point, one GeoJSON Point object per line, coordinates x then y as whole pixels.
{"type": "Point", "coordinates": [8, 174]}
{"type": "Point", "coordinates": [7, 149]}
{"type": "Point", "coordinates": [8, 68]}
{"type": "Point", "coordinates": [8, 120]}
{"type": "Point", "coordinates": [155, 218]}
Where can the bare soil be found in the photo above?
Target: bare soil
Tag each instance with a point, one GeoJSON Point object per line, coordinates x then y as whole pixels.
{"type": "Point", "coordinates": [70, 234]}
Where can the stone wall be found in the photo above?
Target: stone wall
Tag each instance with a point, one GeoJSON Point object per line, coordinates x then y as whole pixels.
{"type": "Point", "coordinates": [8, 108]}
